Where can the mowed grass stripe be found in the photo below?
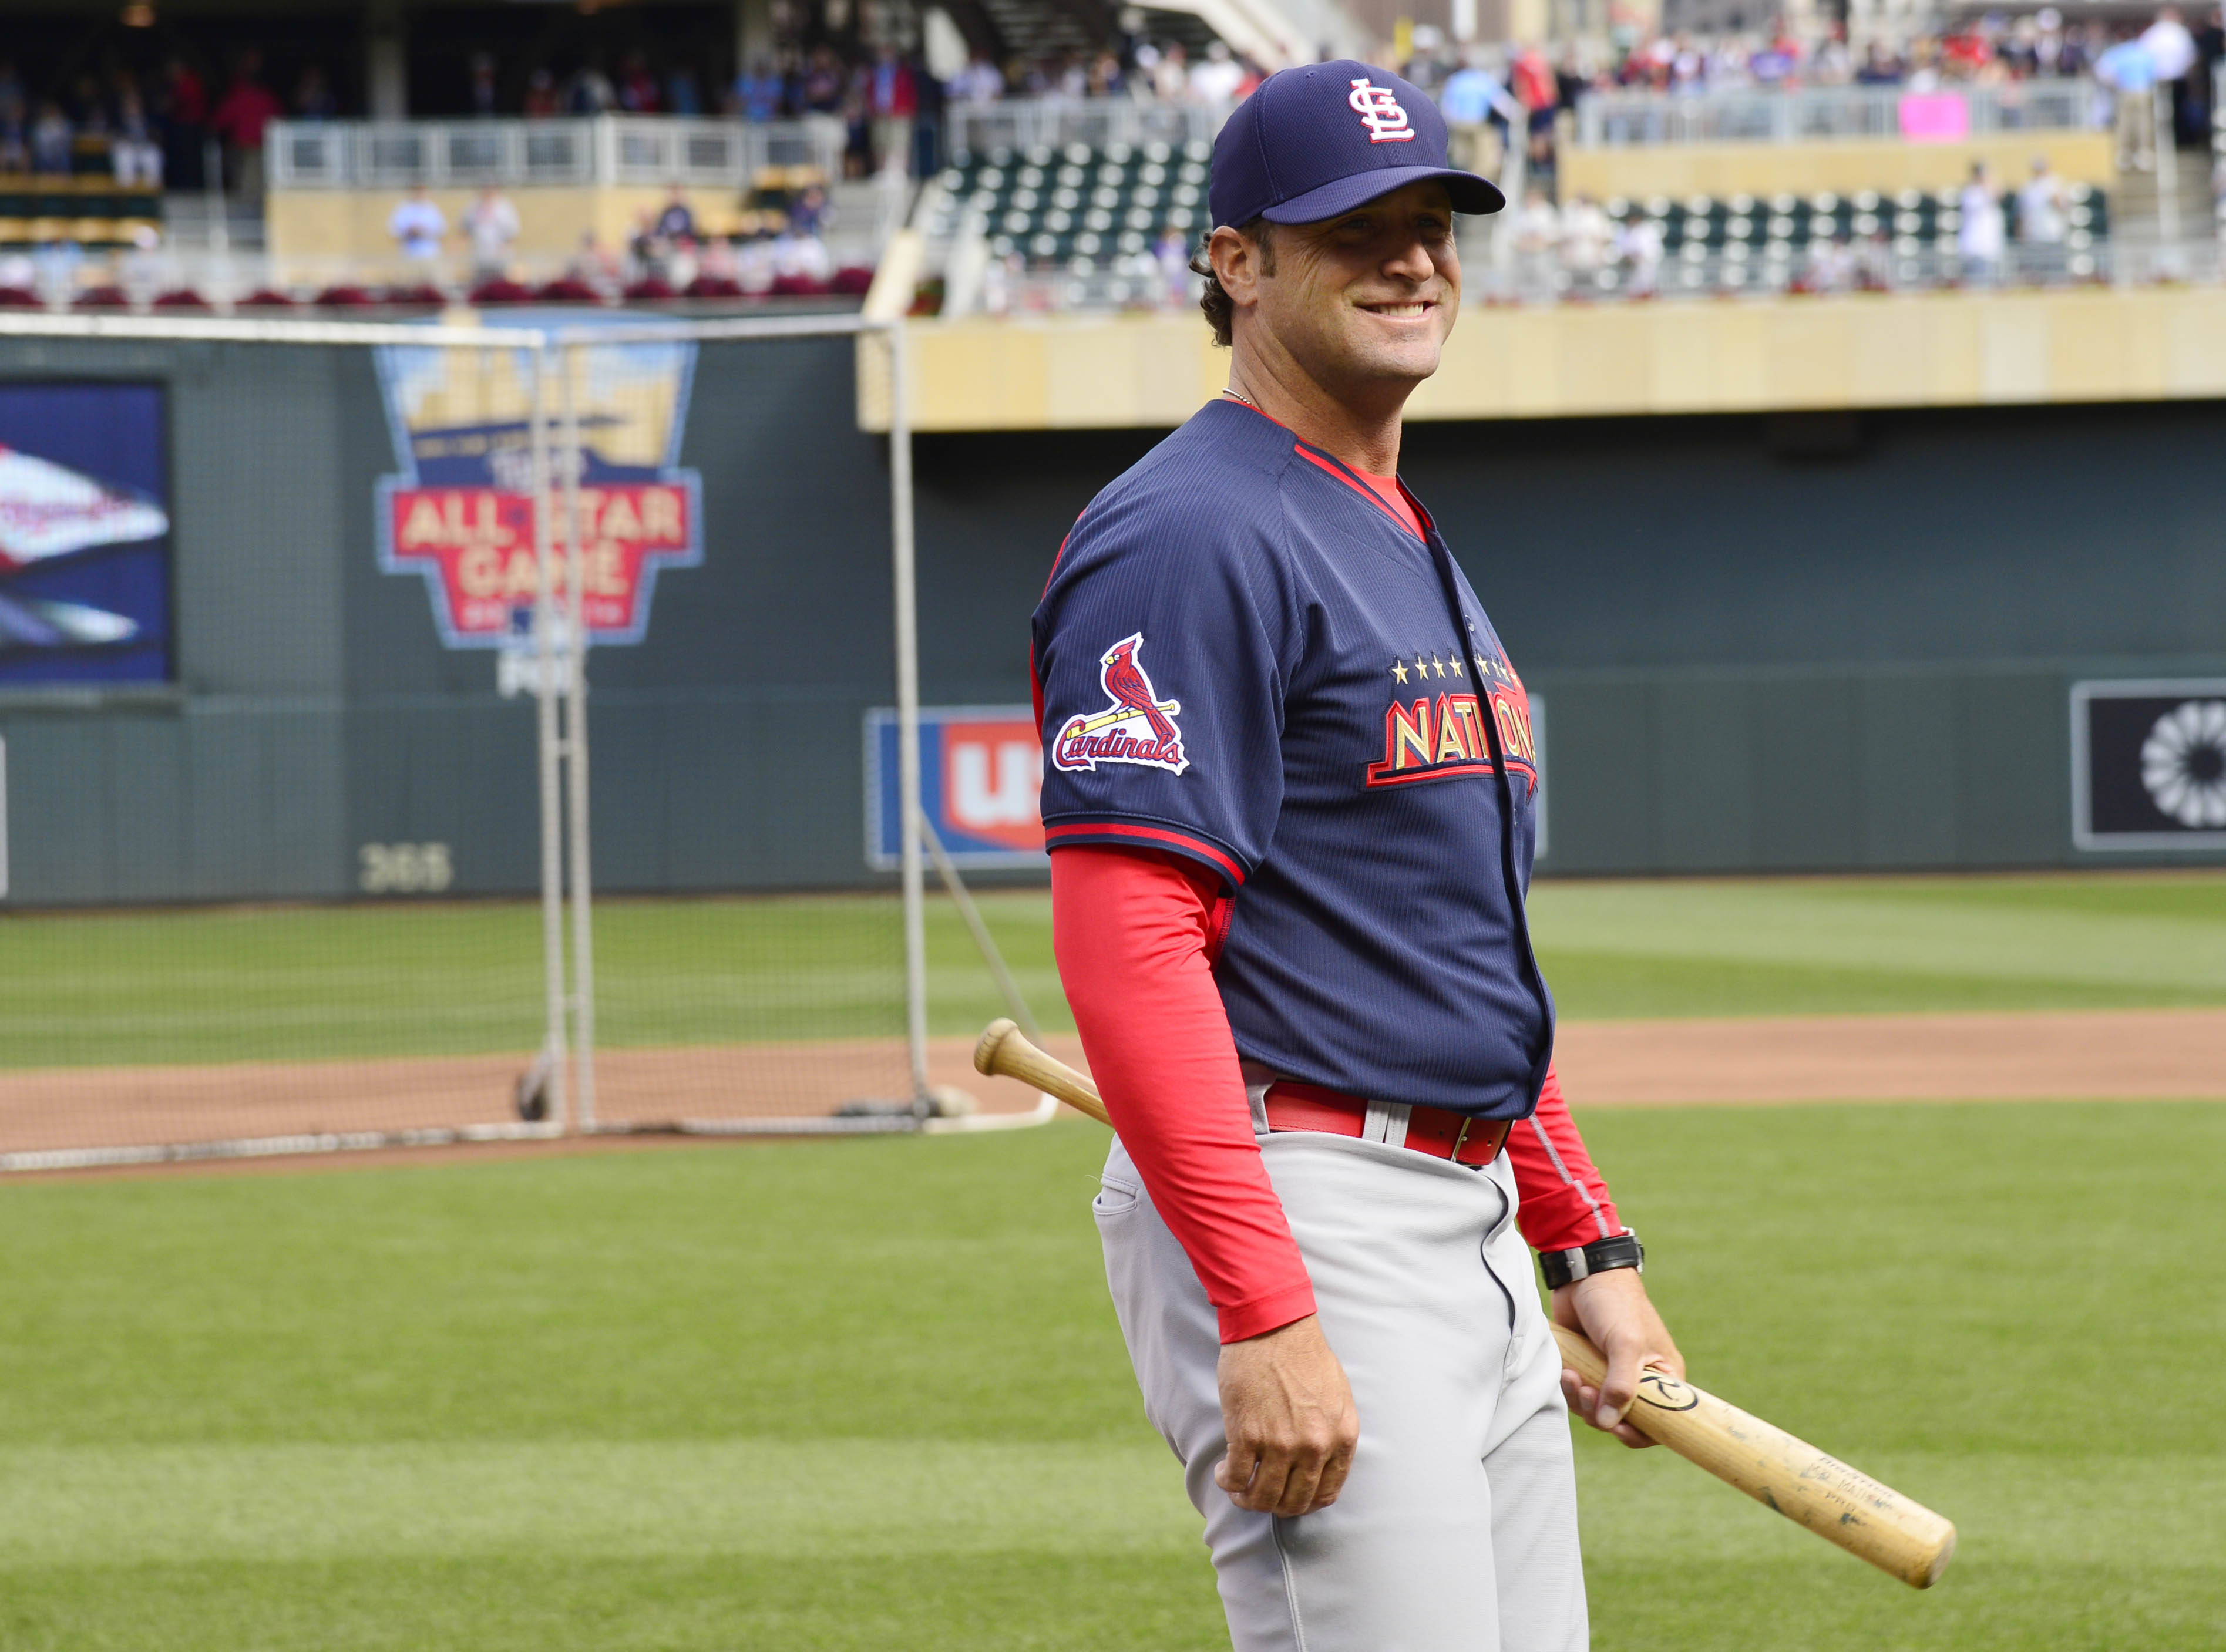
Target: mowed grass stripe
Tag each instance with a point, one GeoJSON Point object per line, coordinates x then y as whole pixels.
{"type": "Point", "coordinates": [88, 1505]}
{"type": "Point", "coordinates": [869, 1395]}
{"type": "Point", "coordinates": [368, 981]}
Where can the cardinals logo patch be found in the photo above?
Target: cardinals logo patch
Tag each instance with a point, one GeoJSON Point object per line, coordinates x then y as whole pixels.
{"type": "Point", "coordinates": [1137, 727]}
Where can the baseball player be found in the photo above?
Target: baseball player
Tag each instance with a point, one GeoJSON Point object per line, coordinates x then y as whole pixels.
{"type": "Point", "coordinates": [1289, 788]}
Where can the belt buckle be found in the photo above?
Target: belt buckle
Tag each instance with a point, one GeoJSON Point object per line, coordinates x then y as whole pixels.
{"type": "Point", "coordinates": [1452, 1153]}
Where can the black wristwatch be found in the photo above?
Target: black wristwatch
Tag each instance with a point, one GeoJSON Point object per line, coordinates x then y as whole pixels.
{"type": "Point", "coordinates": [1567, 1267]}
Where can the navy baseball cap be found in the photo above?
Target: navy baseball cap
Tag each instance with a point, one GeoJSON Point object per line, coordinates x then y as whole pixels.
{"type": "Point", "coordinates": [1321, 139]}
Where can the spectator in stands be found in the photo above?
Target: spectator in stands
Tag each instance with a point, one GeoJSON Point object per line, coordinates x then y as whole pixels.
{"type": "Point", "coordinates": [542, 101]}
{"type": "Point", "coordinates": [927, 122]}
{"type": "Point", "coordinates": [682, 95]}
{"type": "Point", "coordinates": [809, 213]}
{"type": "Point", "coordinates": [682, 263]}
{"type": "Point", "coordinates": [483, 91]}
{"type": "Point", "coordinates": [241, 119]}
{"type": "Point", "coordinates": [419, 226]}
{"type": "Point", "coordinates": [594, 264]}
{"type": "Point", "coordinates": [2131, 74]}
{"type": "Point", "coordinates": [824, 83]}
{"type": "Point", "coordinates": [1638, 251]}
{"type": "Point", "coordinates": [2042, 204]}
{"type": "Point", "coordinates": [1214, 79]}
{"type": "Point", "coordinates": [589, 91]}
{"type": "Point", "coordinates": [676, 220]}
{"type": "Point", "coordinates": [977, 83]}
{"type": "Point", "coordinates": [857, 129]}
{"type": "Point", "coordinates": [1539, 91]}
{"type": "Point", "coordinates": [637, 89]}
{"type": "Point", "coordinates": [2172, 48]}
{"type": "Point", "coordinates": [1587, 236]}
{"type": "Point", "coordinates": [1477, 109]}
{"type": "Point", "coordinates": [1832, 266]}
{"type": "Point", "coordinates": [1537, 244]}
{"type": "Point", "coordinates": [1171, 256]}
{"type": "Point", "coordinates": [133, 153]}
{"type": "Point", "coordinates": [1880, 68]}
{"type": "Point", "coordinates": [894, 103]}
{"type": "Point", "coordinates": [52, 138]}
{"type": "Point", "coordinates": [312, 96]}
{"type": "Point", "coordinates": [182, 108]}
{"type": "Point", "coordinates": [490, 225]}
{"type": "Point", "coordinates": [801, 256]}
{"type": "Point", "coordinates": [88, 110]}
{"type": "Point", "coordinates": [1171, 74]}
{"type": "Point", "coordinates": [14, 122]}
{"type": "Point", "coordinates": [757, 92]}
{"type": "Point", "coordinates": [1978, 232]}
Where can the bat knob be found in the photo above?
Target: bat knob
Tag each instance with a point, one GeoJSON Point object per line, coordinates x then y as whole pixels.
{"type": "Point", "coordinates": [993, 1038]}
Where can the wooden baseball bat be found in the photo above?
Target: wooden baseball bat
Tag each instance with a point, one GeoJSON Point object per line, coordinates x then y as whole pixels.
{"type": "Point", "coordinates": [1838, 1503]}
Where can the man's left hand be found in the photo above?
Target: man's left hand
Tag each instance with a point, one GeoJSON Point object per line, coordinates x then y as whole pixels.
{"type": "Point", "coordinates": [1613, 1309]}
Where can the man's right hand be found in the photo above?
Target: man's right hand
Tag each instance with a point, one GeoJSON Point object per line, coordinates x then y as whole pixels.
{"type": "Point", "coordinates": [1287, 1412]}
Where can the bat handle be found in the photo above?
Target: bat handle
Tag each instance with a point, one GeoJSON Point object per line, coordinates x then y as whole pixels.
{"type": "Point", "coordinates": [1005, 1052]}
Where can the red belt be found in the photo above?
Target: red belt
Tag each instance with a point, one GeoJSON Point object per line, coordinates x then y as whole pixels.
{"type": "Point", "coordinates": [1432, 1130]}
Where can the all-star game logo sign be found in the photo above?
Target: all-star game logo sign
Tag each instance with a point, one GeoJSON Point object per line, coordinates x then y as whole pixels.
{"type": "Point", "coordinates": [460, 513]}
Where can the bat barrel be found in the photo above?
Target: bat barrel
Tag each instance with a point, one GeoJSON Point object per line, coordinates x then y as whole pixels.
{"type": "Point", "coordinates": [1841, 1504]}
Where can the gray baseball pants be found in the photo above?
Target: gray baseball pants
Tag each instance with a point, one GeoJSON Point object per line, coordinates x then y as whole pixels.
{"type": "Point", "coordinates": [1457, 1530]}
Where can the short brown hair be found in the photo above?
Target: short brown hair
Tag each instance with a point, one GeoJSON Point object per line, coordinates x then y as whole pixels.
{"type": "Point", "coordinates": [1219, 309]}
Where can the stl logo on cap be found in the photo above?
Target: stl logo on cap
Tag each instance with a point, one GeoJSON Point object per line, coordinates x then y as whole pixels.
{"type": "Point", "coordinates": [1379, 110]}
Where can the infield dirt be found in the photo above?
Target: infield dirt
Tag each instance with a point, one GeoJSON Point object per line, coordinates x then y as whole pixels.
{"type": "Point", "coordinates": [2102, 1054]}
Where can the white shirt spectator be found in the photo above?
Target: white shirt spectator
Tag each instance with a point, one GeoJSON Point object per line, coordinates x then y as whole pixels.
{"type": "Point", "coordinates": [1980, 236]}
{"type": "Point", "coordinates": [491, 223]}
{"type": "Point", "coordinates": [2171, 47]}
{"type": "Point", "coordinates": [1587, 234]}
{"type": "Point", "coordinates": [1171, 76]}
{"type": "Point", "coordinates": [418, 224]}
{"type": "Point", "coordinates": [977, 83]}
{"type": "Point", "coordinates": [2040, 213]}
{"type": "Point", "coordinates": [1638, 249]}
{"type": "Point", "coordinates": [1215, 80]}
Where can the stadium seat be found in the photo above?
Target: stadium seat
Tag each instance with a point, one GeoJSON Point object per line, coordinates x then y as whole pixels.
{"type": "Point", "coordinates": [1077, 206]}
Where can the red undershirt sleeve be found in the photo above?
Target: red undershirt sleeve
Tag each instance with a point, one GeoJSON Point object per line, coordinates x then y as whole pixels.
{"type": "Point", "coordinates": [1565, 1201]}
{"type": "Point", "coordinates": [1133, 932]}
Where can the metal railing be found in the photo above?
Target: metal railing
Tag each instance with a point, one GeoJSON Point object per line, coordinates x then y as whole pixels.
{"type": "Point", "coordinates": [1807, 114]}
{"type": "Point", "coordinates": [1021, 125]}
{"type": "Point", "coordinates": [604, 150]}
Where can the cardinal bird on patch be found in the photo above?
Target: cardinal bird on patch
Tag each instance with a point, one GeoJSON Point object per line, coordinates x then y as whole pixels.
{"type": "Point", "coordinates": [1138, 727]}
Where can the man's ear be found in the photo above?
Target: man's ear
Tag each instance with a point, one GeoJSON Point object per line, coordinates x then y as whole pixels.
{"type": "Point", "coordinates": [1237, 261]}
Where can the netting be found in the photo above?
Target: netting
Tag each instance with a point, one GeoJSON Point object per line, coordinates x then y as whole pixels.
{"type": "Point", "coordinates": [280, 773]}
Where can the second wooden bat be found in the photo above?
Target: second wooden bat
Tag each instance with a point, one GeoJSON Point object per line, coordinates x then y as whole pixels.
{"type": "Point", "coordinates": [1839, 1504]}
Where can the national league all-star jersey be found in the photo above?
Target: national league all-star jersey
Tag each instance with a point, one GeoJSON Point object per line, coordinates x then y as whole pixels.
{"type": "Point", "coordinates": [1246, 657]}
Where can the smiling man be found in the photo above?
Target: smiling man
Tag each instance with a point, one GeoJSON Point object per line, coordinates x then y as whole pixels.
{"type": "Point", "coordinates": [1289, 788]}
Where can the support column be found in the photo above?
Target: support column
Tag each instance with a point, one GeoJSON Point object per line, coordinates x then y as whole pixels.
{"type": "Point", "coordinates": [386, 60]}
{"type": "Point", "coordinates": [754, 33]}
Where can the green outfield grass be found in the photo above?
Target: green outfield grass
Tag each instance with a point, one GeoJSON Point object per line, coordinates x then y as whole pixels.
{"type": "Point", "coordinates": [304, 983]}
{"type": "Point", "coordinates": [869, 1396]}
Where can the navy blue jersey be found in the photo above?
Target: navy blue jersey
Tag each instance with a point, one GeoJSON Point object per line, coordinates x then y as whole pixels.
{"type": "Point", "coordinates": [1244, 657]}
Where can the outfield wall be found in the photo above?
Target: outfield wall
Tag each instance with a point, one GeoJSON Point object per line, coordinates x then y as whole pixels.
{"type": "Point", "coordinates": [1813, 641]}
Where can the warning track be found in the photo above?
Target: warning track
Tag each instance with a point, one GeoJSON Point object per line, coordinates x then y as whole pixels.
{"type": "Point", "coordinates": [2034, 1055]}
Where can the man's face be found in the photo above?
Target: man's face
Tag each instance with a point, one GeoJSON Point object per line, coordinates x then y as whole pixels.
{"type": "Point", "coordinates": [1365, 298]}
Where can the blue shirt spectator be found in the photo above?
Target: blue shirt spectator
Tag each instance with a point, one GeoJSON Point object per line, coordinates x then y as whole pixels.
{"type": "Point", "coordinates": [1470, 97]}
{"type": "Point", "coordinates": [2127, 67]}
{"type": "Point", "coordinates": [759, 92]}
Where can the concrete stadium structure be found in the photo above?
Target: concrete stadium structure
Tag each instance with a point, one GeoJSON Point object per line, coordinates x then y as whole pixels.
{"type": "Point", "coordinates": [1803, 586]}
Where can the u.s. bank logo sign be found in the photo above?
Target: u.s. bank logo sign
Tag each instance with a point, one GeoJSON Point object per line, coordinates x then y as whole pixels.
{"type": "Point", "coordinates": [2148, 765]}
{"type": "Point", "coordinates": [980, 779]}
